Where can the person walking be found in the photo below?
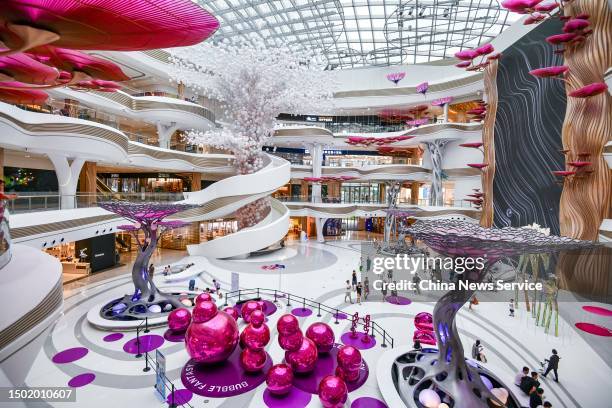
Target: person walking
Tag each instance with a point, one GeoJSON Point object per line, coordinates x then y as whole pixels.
{"type": "Point", "coordinates": [416, 279]}
{"type": "Point", "coordinates": [553, 365]}
{"type": "Point", "coordinates": [478, 352]}
{"type": "Point", "coordinates": [354, 279]}
{"type": "Point", "coordinates": [535, 399]}
{"type": "Point", "coordinates": [511, 307]}
{"type": "Point", "coordinates": [359, 289]}
{"type": "Point", "coordinates": [347, 293]}
{"type": "Point", "coordinates": [366, 288]}
{"type": "Point", "coordinates": [383, 290]}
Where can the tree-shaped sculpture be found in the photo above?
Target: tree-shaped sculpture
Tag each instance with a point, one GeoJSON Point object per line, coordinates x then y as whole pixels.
{"type": "Point", "coordinates": [148, 228]}
{"type": "Point", "coordinates": [447, 370]}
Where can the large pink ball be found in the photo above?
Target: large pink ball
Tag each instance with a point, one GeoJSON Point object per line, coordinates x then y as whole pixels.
{"type": "Point", "coordinates": [179, 319]}
{"type": "Point", "coordinates": [257, 318]}
{"type": "Point", "coordinates": [279, 379]}
{"type": "Point", "coordinates": [304, 359]}
{"type": "Point", "coordinates": [287, 324]}
{"type": "Point", "coordinates": [347, 375]}
{"type": "Point", "coordinates": [248, 308]}
{"type": "Point", "coordinates": [255, 338]}
{"type": "Point", "coordinates": [204, 311]}
{"type": "Point", "coordinates": [291, 342]}
{"type": "Point", "coordinates": [232, 312]}
{"type": "Point", "coordinates": [349, 358]}
{"type": "Point", "coordinates": [203, 297]}
{"type": "Point", "coordinates": [322, 335]}
{"type": "Point", "coordinates": [333, 392]}
{"type": "Point", "coordinates": [213, 340]}
{"type": "Point", "coordinates": [252, 360]}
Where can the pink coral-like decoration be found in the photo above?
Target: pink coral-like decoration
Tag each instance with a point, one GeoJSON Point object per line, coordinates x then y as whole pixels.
{"type": "Point", "coordinates": [466, 55]}
{"type": "Point", "coordinates": [575, 24]}
{"type": "Point", "coordinates": [549, 71]}
{"type": "Point", "coordinates": [464, 64]}
{"type": "Point", "coordinates": [422, 88]}
{"type": "Point", "coordinates": [546, 7]}
{"type": "Point", "coordinates": [494, 56]}
{"type": "Point", "coordinates": [479, 166]}
{"type": "Point", "coordinates": [473, 145]}
{"type": "Point", "coordinates": [560, 38]}
{"type": "Point", "coordinates": [22, 68]}
{"type": "Point", "coordinates": [589, 90]}
{"type": "Point", "coordinates": [442, 101]}
{"type": "Point", "coordinates": [396, 77]}
{"type": "Point", "coordinates": [534, 18]}
{"type": "Point", "coordinates": [563, 173]}
{"type": "Point", "coordinates": [579, 163]}
{"type": "Point", "coordinates": [520, 6]}
{"type": "Point", "coordinates": [484, 49]}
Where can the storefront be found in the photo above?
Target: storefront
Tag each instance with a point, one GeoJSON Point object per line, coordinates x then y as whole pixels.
{"type": "Point", "coordinates": [146, 182]}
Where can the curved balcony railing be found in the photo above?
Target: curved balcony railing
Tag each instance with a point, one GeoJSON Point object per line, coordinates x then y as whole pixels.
{"type": "Point", "coordinates": [336, 200]}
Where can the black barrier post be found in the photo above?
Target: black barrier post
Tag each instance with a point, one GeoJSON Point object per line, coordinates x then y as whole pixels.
{"type": "Point", "coordinates": [336, 316]}
{"type": "Point", "coordinates": [372, 335]}
{"type": "Point", "coordinates": [238, 295]}
{"type": "Point", "coordinates": [288, 299]}
{"type": "Point", "coordinates": [319, 310]}
{"type": "Point", "coordinates": [172, 404]}
{"type": "Point", "coordinates": [147, 368]}
{"type": "Point", "coordinates": [384, 343]}
{"type": "Point", "coordinates": [138, 353]}
{"type": "Point", "coordinates": [303, 304]}
{"type": "Point", "coordinates": [146, 330]}
{"type": "Point", "coordinates": [274, 295]}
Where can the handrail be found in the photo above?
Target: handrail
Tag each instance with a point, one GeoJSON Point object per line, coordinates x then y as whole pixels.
{"type": "Point", "coordinates": [257, 292]}
{"type": "Point", "coordinates": [337, 200]}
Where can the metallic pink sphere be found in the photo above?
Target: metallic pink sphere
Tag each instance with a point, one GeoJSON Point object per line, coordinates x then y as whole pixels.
{"type": "Point", "coordinates": [279, 379]}
{"type": "Point", "coordinates": [257, 318]}
{"type": "Point", "coordinates": [248, 308]}
{"type": "Point", "coordinates": [179, 319]}
{"type": "Point", "coordinates": [333, 392]}
{"type": "Point", "coordinates": [349, 358]}
{"type": "Point", "coordinates": [304, 359]}
{"type": "Point", "coordinates": [252, 360]}
{"type": "Point", "coordinates": [204, 311]}
{"type": "Point", "coordinates": [232, 312]}
{"type": "Point", "coordinates": [262, 305]}
{"type": "Point", "coordinates": [203, 297]}
{"type": "Point", "coordinates": [287, 324]}
{"type": "Point", "coordinates": [322, 335]}
{"type": "Point", "coordinates": [291, 342]}
{"type": "Point", "coordinates": [255, 338]}
{"type": "Point", "coordinates": [347, 375]}
{"type": "Point", "coordinates": [213, 340]}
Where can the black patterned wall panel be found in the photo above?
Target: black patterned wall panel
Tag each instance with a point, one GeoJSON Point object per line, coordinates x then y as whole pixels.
{"type": "Point", "coordinates": [530, 115]}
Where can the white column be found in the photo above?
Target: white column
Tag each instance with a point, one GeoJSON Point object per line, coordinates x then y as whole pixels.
{"type": "Point", "coordinates": [319, 223]}
{"type": "Point", "coordinates": [446, 112]}
{"type": "Point", "coordinates": [316, 153]}
{"type": "Point", "coordinates": [164, 133]}
{"type": "Point", "coordinates": [67, 178]}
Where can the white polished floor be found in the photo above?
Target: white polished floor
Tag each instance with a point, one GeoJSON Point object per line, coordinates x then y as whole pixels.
{"type": "Point", "coordinates": [316, 271]}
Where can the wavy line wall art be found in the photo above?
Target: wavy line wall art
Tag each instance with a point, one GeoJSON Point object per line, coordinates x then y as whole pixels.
{"type": "Point", "coordinates": [528, 124]}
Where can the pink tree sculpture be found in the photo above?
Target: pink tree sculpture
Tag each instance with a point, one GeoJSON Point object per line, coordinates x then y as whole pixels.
{"type": "Point", "coordinates": [422, 88]}
{"type": "Point", "coordinates": [148, 228]}
{"type": "Point", "coordinates": [396, 77]}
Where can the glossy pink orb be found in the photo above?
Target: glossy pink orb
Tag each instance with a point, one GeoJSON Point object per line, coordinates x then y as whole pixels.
{"type": "Point", "coordinates": [257, 318]}
{"type": "Point", "coordinates": [322, 335]}
{"type": "Point", "coordinates": [252, 360]}
{"type": "Point", "coordinates": [255, 338]}
{"type": "Point", "coordinates": [262, 305]}
{"type": "Point", "coordinates": [204, 311]}
{"type": "Point", "coordinates": [279, 379]}
{"type": "Point", "coordinates": [232, 312]}
{"type": "Point", "coordinates": [303, 360]}
{"type": "Point", "coordinates": [333, 392]}
{"type": "Point", "coordinates": [349, 358]}
{"type": "Point", "coordinates": [213, 340]}
{"type": "Point", "coordinates": [291, 342]}
{"type": "Point", "coordinates": [287, 324]}
{"type": "Point", "coordinates": [347, 375]}
{"type": "Point", "coordinates": [248, 308]}
{"type": "Point", "coordinates": [203, 297]}
{"type": "Point", "coordinates": [179, 319]}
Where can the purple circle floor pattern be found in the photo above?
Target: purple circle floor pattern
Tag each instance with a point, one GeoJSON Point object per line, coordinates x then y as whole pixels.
{"type": "Point", "coordinates": [340, 316]}
{"type": "Point", "coordinates": [148, 342]}
{"type": "Point", "coordinates": [296, 398]}
{"type": "Point", "coordinates": [301, 312]}
{"type": "Point", "coordinates": [222, 380]}
{"type": "Point", "coordinates": [398, 300]}
{"type": "Point", "coordinates": [326, 365]}
{"type": "Point", "coordinates": [598, 310]}
{"type": "Point", "coordinates": [70, 355]}
{"type": "Point", "coordinates": [368, 402]}
{"type": "Point", "coordinates": [81, 380]}
{"type": "Point", "coordinates": [181, 397]}
{"type": "Point", "coordinates": [113, 337]}
{"type": "Point", "coordinates": [174, 337]}
{"type": "Point", "coordinates": [358, 342]}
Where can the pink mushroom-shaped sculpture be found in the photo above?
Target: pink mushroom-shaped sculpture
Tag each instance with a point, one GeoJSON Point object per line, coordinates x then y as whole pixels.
{"type": "Point", "coordinates": [179, 319]}
{"type": "Point", "coordinates": [563, 173]}
{"type": "Point", "coordinates": [422, 88]}
{"type": "Point", "coordinates": [464, 64]}
{"type": "Point", "coordinates": [549, 71]}
{"type": "Point", "coordinates": [589, 90]}
{"type": "Point", "coordinates": [575, 24]}
{"type": "Point", "coordinates": [349, 362]}
{"type": "Point", "coordinates": [546, 7]}
{"type": "Point", "coordinates": [478, 166]}
{"type": "Point", "coordinates": [279, 379]}
{"type": "Point", "coordinates": [472, 145]}
{"type": "Point", "coordinates": [322, 335]}
{"type": "Point", "coordinates": [248, 308]}
{"type": "Point", "coordinates": [303, 359]}
{"type": "Point", "coordinates": [560, 38]}
{"type": "Point", "coordinates": [333, 392]}
{"type": "Point", "coordinates": [203, 297]}
{"type": "Point", "coordinates": [212, 335]}
{"type": "Point", "coordinates": [232, 312]}
{"type": "Point", "coordinates": [466, 55]}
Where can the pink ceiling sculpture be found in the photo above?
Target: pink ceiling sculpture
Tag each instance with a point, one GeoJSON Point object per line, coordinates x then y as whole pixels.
{"type": "Point", "coordinates": [369, 141]}
{"type": "Point", "coordinates": [589, 90]}
{"type": "Point", "coordinates": [24, 96]}
{"type": "Point", "coordinates": [442, 101]}
{"type": "Point", "coordinates": [468, 58]}
{"type": "Point", "coordinates": [548, 72]}
{"type": "Point", "coordinates": [534, 18]}
{"type": "Point", "coordinates": [478, 166]}
{"type": "Point", "coordinates": [558, 39]}
{"type": "Point", "coordinates": [520, 6]}
{"type": "Point", "coordinates": [324, 179]}
{"type": "Point", "coordinates": [575, 24]}
{"type": "Point", "coordinates": [119, 25]}
{"type": "Point", "coordinates": [546, 7]}
{"type": "Point", "coordinates": [396, 77]}
{"type": "Point", "coordinates": [422, 88]}
{"type": "Point", "coordinates": [464, 64]}
{"type": "Point", "coordinates": [21, 68]}
{"type": "Point", "coordinates": [472, 145]}
{"type": "Point", "coordinates": [418, 122]}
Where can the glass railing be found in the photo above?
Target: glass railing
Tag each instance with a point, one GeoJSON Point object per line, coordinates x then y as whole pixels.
{"type": "Point", "coordinates": [32, 201]}
{"type": "Point", "coordinates": [335, 200]}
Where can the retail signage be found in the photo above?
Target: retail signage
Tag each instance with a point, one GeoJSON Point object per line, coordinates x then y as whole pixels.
{"type": "Point", "coordinates": [163, 175]}
{"type": "Point", "coordinates": [160, 373]}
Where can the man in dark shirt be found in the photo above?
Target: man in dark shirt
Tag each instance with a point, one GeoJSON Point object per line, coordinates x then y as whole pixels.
{"type": "Point", "coordinates": [529, 384]}
{"type": "Point", "coordinates": [553, 364]}
{"type": "Point", "coordinates": [535, 400]}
